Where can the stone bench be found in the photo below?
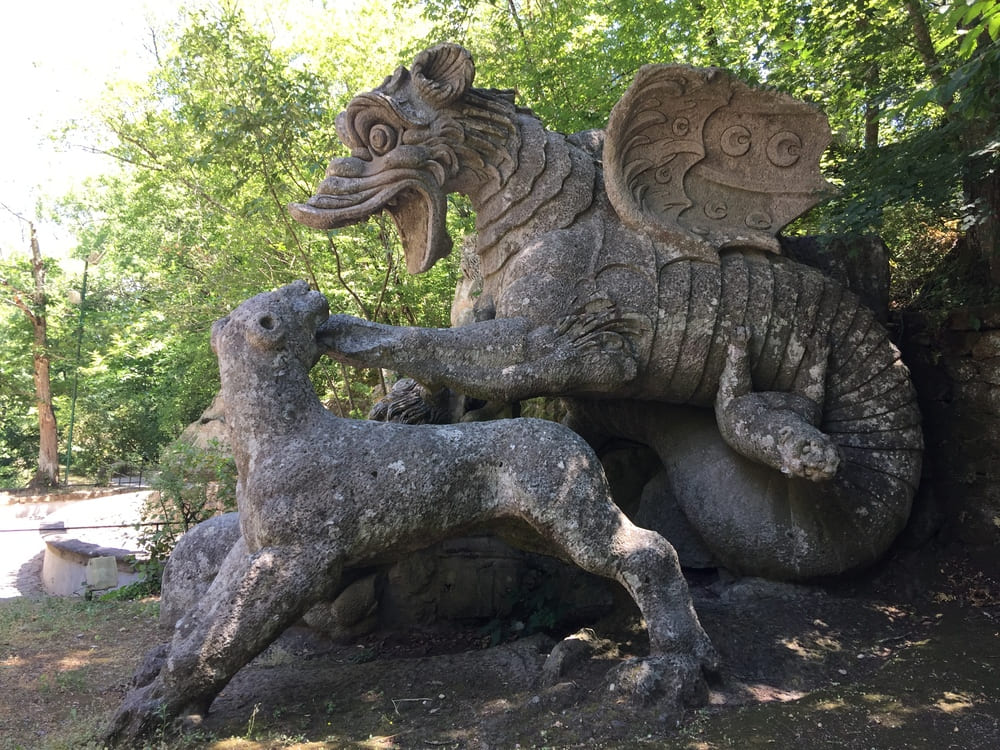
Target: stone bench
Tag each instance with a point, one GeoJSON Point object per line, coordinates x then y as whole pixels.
{"type": "Point", "coordinates": [73, 567]}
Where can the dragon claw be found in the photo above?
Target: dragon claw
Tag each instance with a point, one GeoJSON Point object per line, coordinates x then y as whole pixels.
{"type": "Point", "coordinates": [813, 457]}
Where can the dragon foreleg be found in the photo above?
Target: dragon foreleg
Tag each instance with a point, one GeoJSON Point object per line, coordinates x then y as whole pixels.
{"type": "Point", "coordinates": [506, 359]}
{"type": "Point", "coordinates": [778, 429]}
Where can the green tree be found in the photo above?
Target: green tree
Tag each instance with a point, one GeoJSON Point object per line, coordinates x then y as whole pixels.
{"type": "Point", "coordinates": [913, 93]}
{"type": "Point", "coordinates": [229, 129]}
{"type": "Point", "coordinates": [910, 88]}
{"type": "Point", "coordinates": [32, 299]}
{"type": "Point", "coordinates": [18, 430]}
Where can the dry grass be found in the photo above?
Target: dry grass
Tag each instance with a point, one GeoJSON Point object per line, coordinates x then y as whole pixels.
{"type": "Point", "coordinates": [64, 664]}
{"type": "Point", "coordinates": [845, 672]}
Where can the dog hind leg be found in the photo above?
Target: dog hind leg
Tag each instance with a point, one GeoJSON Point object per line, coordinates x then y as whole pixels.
{"type": "Point", "coordinates": [580, 518]}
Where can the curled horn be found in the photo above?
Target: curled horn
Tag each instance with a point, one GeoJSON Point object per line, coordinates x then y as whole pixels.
{"type": "Point", "coordinates": [443, 73]}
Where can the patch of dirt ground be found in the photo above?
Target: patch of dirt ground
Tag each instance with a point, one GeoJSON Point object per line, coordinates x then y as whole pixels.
{"type": "Point", "coordinates": [908, 657]}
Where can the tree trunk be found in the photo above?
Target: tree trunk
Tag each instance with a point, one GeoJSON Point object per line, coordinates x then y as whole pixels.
{"type": "Point", "coordinates": [872, 82]}
{"type": "Point", "coordinates": [923, 41]}
{"type": "Point", "coordinates": [981, 183]}
{"type": "Point", "coordinates": [48, 434]}
{"type": "Point", "coordinates": [982, 191]}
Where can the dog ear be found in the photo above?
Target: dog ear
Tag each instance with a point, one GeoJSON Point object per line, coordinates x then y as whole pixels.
{"type": "Point", "coordinates": [443, 73]}
{"type": "Point", "coordinates": [217, 327]}
{"type": "Point", "coordinates": [266, 330]}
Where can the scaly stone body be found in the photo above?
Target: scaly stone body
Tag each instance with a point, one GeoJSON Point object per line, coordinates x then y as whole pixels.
{"type": "Point", "coordinates": [644, 280]}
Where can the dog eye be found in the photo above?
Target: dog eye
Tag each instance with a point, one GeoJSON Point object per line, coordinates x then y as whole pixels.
{"type": "Point", "coordinates": [382, 138]}
{"type": "Point", "coordinates": [266, 322]}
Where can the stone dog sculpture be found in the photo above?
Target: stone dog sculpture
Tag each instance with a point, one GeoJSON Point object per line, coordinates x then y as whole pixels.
{"type": "Point", "coordinates": [315, 499]}
{"type": "Point", "coordinates": [635, 270]}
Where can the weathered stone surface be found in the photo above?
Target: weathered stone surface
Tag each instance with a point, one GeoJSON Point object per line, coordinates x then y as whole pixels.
{"type": "Point", "coordinates": [209, 428]}
{"type": "Point", "coordinates": [599, 283]}
{"type": "Point", "coordinates": [570, 651]}
{"type": "Point", "coordinates": [351, 614]}
{"type": "Point", "coordinates": [482, 577]}
{"type": "Point", "coordinates": [193, 565]}
{"type": "Point", "coordinates": [658, 510]}
{"type": "Point", "coordinates": [957, 371]}
{"type": "Point", "coordinates": [696, 153]}
{"type": "Point", "coordinates": [860, 264]}
{"type": "Point", "coordinates": [316, 498]}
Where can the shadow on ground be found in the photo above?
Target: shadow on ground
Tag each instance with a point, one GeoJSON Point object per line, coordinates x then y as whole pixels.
{"type": "Point", "coordinates": [907, 658]}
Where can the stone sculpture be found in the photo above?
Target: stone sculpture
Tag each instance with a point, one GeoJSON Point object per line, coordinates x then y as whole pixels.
{"type": "Point", "coordinates": [315, 500]}
{"type": "Point", "coordinates": [636, 273]}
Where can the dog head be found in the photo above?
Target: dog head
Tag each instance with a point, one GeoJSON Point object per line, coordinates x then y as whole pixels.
{"type": "Point", "coordinates": [284, 320]}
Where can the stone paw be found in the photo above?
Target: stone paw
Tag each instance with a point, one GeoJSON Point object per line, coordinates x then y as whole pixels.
{"type": "Point", "coordinates": [581, 328]}
{"type": "Point", "coordinates": [570, 651]}
{"type": "Point", "coordinates": [674, 681]}
{"type": "Point", "coordinates": [151, 665]}
{"type": "Point", "coordinates": [408, 402]}
{"type": "Point", "coordinates": [811, 456]}
{"type": "Point", "coordinates": [600, 326]}
{"type": "Point", "coordinates": [139, 714]}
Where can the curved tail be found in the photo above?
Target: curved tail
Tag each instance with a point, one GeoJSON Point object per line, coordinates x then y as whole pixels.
{"type": "Point", "coordinates": [752, 518]}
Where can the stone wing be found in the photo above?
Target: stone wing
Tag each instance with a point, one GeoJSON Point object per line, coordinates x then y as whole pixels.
{"type": "Point", "coordinates": [702, 161]}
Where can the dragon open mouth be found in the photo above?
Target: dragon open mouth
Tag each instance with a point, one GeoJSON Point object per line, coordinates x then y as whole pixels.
{"type": "Point", "coordinates": [416, 205]}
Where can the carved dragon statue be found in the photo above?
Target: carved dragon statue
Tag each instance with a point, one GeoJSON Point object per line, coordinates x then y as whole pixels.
{"type": "Point", "coordinates": [637, 273]}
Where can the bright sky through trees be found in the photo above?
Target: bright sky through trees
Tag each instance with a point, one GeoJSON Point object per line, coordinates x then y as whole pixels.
{"type": "Point", "coordinates": [57, 57]}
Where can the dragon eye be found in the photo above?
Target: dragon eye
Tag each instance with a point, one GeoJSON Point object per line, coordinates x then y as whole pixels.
{"type": "Point", "coordinates": [382, 139]}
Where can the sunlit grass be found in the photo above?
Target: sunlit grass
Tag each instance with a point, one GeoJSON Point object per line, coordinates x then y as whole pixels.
{"type": "Point", "coordinates": [62, 664]}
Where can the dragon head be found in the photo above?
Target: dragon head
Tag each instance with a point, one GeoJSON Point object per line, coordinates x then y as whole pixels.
{"type": "Point", "coordinates": [413, 140]}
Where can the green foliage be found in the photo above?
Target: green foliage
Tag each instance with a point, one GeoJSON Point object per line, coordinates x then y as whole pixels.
{"type": "Point", "coordinates": [18, 442]}
{"type": "Point", "coordinates": [193, 484]}
{"type": "Point", "coordinates": [918, 263]}
{"type": "Point", "coordinates": [151, 572]}
{"type": "Point", "coordinates": [18, 426]}
{"type": "Point", "coordinates": [966, 23]}
{"type": "Point", "coordinates": [238, 119]}
{"type": "Point", "coordinates": [229, 130]}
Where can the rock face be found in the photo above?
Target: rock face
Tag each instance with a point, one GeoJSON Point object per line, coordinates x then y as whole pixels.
{"type": "Point", "coordinates": [465, 578]}
{"type": "Point", "coordinates": [320, 496]}
{"type": "Point", "coordinates": [193, 565]}
{"type": "Point", "coordinates": [210, 427]}
{"type": "Point", "coordinates": [956, 365]}
{"type": "Point", "coordinates": [637, 274]}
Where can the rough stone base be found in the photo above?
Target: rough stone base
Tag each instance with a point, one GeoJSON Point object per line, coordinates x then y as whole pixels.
{"type": "Point", "coordinates": [474, 578]}
{"type": "Point", "coordinates": [955, 364]}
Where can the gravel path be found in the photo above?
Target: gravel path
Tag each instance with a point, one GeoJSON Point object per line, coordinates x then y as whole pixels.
{"type": "Point", "coordinates": [22, 548]}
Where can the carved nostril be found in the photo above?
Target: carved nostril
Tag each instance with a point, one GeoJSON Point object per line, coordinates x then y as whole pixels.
{"type": "Point", "coordinates": [266, 322]}
{"type": "Point", "coordinates": [347, 167]}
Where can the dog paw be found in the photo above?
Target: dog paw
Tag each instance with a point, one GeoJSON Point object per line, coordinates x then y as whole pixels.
{"type": "Point", "coordinates": [674, 681]}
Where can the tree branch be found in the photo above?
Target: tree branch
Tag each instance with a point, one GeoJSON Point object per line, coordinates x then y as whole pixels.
{"type": "Point", "coordinates": [925, 46]}
{"type": "Point", "coordinates": [17, 300]}
{"type": "Point", "coordinates": [343, 282]}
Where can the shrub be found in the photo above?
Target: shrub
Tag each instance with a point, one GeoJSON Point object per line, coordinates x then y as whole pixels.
{"type": "Point", "coordinates": [193, 484]}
